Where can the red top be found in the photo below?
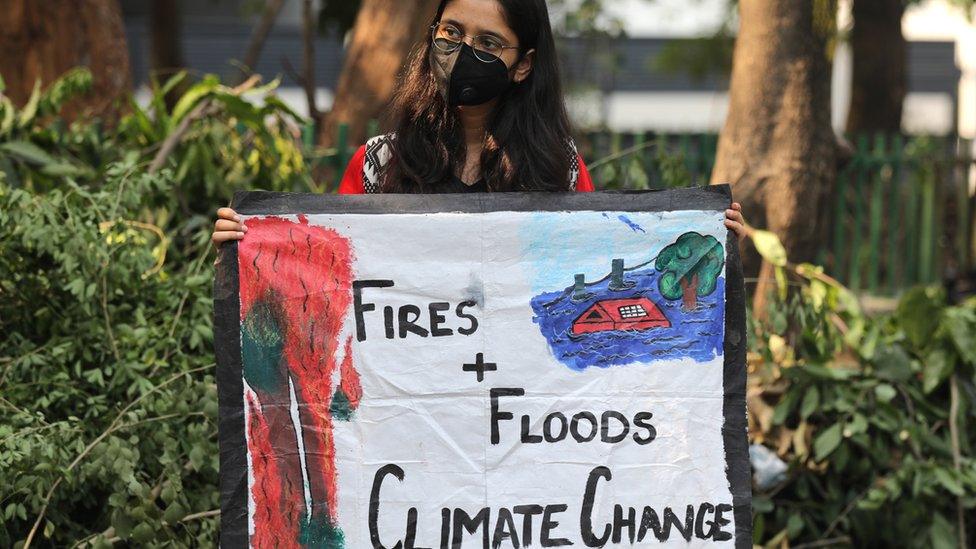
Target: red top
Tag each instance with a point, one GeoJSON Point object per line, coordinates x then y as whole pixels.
{"type": "Point", "coordinates": [352, 181]}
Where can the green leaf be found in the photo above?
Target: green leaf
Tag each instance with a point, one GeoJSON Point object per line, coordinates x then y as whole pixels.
{"type": "Point", "coordinates": [785, 407]}
{"type": "Point", "coordinates": [240, 109]}
{"type": "Point", "coordinates": [961, 325]}
{"type": "Point", "coordinates": [827, 441]}
{"type": "Point", "coordinates": [918, 314]}
{"type": "Point", "coordinates": [885, 392]}
{"type": "Point", "coordinates": [191, 98]}
{"type": "Point", "coordinates": [64, 169]}
{"type": "Point", "coordinates": [122, 524]}
{"type": "Point", "coordinates": [769, 247]}
{"type": "Point", "coordinates": [794, 526]}
{"type": "Point", "coordinates": [28, 152]}
{"type": "Point", "coordinates": [274, 105]}
{"type": "Point", "coordinates": [29, 111]}
{"type": "Point", "coordinates": [781, 283]}
{"type": "Point", "coordinates": [811, 401]}
{"type": "Point", "coordinates": [948, 481]}
{"type": "Point", "coordinates": [9, 115]}
{"type": "Point", "coordinates": [173, 81]}
{"type": "Point", "coordinates": [857, 425]}
{"type": "Point", "coordinates": [174, 513]}
{"type": "Point", "coordinates": [817, 371]}
{"type": "Point", "coordinates": [197, 456]}
{"type": "Point", "coordinates": [942, 534]}
{"type": "Point", "coordinates": [939, 365]}
{"type": "Point", "coordinates": [143, 533]}
{"type": "Point", "coordinates": [893, 363]}
{"type": "Point", "coordinates": [264, 89]}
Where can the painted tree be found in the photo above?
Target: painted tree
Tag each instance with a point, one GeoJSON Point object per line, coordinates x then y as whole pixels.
{"type": "Point", "coordinates": [285, 354]}
{"type": "Point", "coordinates": [690, 268]}
{"type": "Point", "coordinates": [777, 149]}
{"type": "Point", "coordinates": [41, 41]}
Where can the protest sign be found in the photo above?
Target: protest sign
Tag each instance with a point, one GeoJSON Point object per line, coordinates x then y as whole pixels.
{"type": "Point", "coordinates": [501, 370]}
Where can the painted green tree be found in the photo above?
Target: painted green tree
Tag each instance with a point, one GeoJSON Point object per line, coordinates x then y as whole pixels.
{"type": "Point", "coordinates": [690, 268]}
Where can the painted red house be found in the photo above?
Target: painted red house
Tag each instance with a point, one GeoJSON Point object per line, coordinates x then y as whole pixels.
{"type": "Point", "coordinates": [637, 313]}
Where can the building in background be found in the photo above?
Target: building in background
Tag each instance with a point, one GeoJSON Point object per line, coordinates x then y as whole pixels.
{"type": "Point", "coordinates": [616, 84]}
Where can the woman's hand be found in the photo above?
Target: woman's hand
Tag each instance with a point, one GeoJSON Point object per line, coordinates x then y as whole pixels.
{"type": "Point", "coordinates": [735, 221]}
{"type": "Point", "coordinates": [227, 227]}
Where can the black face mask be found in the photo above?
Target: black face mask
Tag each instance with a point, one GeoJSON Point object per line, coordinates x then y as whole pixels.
{"type": "Point", "coordinates": [465, 80]}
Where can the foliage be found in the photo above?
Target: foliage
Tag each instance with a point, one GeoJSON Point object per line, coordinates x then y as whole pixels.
{"type": "Point", "coordinates": [645, 165]}
{"type": "Point", "coordinates": [860, 408]}
{"type": "Point", "coordinates": [107, 396]}
{"type": "Point", "coordinates": [244, 137]}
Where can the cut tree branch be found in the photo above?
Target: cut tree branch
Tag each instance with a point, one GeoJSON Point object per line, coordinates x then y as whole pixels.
{"type": "Point", "coordinates": [308, 75]}
{"type": "Point", "coordinates": [260, 35]}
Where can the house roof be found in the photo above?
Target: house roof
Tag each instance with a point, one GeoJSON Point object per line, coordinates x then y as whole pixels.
{"type": "Point", "coordinates": [613, 308]}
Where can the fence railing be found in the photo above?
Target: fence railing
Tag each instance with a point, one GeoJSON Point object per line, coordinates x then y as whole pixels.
{"type": "Point", "coordinates": [902, 212]}
{"type": "Point", "coordinates": [903, 208]}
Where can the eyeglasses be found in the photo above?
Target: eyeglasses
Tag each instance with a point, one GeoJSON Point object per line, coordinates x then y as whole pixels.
{"type": "Point", "coordinates": [448, 38]}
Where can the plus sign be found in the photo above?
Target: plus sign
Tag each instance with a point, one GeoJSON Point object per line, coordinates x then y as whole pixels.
{"type": "Point", "coordinates": [480, 367]}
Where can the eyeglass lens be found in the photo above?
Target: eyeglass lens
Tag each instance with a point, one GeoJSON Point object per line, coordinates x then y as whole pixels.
{"type": "Point", "coordinates": [449, 38]}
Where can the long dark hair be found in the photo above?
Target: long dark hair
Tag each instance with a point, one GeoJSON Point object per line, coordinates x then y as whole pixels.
{"type": "Point", "coordinates": [527, 141]}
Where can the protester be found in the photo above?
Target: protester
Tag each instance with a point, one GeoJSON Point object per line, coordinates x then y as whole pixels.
{"type": "Point", "coordinates": [480, 109]}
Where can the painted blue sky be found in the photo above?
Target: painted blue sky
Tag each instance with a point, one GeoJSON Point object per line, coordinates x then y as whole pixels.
{"type": "Point", "coordinates": [633, 237]}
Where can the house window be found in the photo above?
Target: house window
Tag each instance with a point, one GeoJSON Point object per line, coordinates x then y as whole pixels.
{"type": "Point", "coordinates": [632, 311]}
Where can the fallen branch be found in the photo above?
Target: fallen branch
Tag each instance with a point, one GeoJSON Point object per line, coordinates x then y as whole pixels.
{"type": "Point", "coordinates": [204, 514]}
{"type": "Point", "coordinates": [206, 107]}
{"type": "Point", "coordinates": [260, 35]}
{"type": "Point", "coordinates": [823, 543]}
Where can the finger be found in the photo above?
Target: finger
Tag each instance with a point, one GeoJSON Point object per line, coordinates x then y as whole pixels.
{"type": "Point", "coordinates": [736, 206]}
{"type": "Point", "coordinates": [228, 225]}
{"type": "Point", "coordinates": [734, 225]}
{"type": "Point", "coordinates": [737, 228]}
{"type": "Point", "coordinates": [734, 216]}
{"type": "Point", "coordinates": [227, 213]}
{"type": "Point", "coordinates": [224, 236]}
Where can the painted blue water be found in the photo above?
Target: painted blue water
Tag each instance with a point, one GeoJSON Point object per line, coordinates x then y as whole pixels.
{"type": "Point", "coordinates": [695, 334]}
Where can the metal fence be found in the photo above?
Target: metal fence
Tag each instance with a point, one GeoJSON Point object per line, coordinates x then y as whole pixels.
{"type": "Point", "coordinates": [903, 208]}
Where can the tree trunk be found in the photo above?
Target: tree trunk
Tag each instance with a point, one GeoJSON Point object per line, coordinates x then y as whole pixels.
{"type": "Point", "coordinates": [166, 51]}
{"type": "Point", "coordinates": [689, 293]}
{"type": "Point", "coordinates": [42, 40]}
{"type": "Point", "coordinates": [777, 148]}
{"type": "Point", "coordinates": [879, 79]}
{"type": "Point", "coordinates": [382, 37]}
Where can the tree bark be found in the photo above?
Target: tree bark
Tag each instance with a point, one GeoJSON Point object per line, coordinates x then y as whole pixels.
{"type": "Point", "coordinates": [777, 148]}
{"type": "Point", "coordinates": [689, 293]}
{"type": "Point", "coordinates": [382, 37]}
{"type": "Point", "coordinates": [166, 50]}
{"type": "Point", "coordinates": [880, 58]}
{"type": "Point", "coordinates": [42, 40]}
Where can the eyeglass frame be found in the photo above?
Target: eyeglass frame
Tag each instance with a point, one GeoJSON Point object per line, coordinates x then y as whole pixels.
{"type": "Point", "coordinates": [433, 39]}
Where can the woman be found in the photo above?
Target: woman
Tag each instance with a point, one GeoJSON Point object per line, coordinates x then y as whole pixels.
{"type": "Point", "coordinates": [480, 110]}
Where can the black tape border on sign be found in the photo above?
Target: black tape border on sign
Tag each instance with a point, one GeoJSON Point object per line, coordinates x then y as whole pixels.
{"type": "Point", "coordinates": [227, 343]}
